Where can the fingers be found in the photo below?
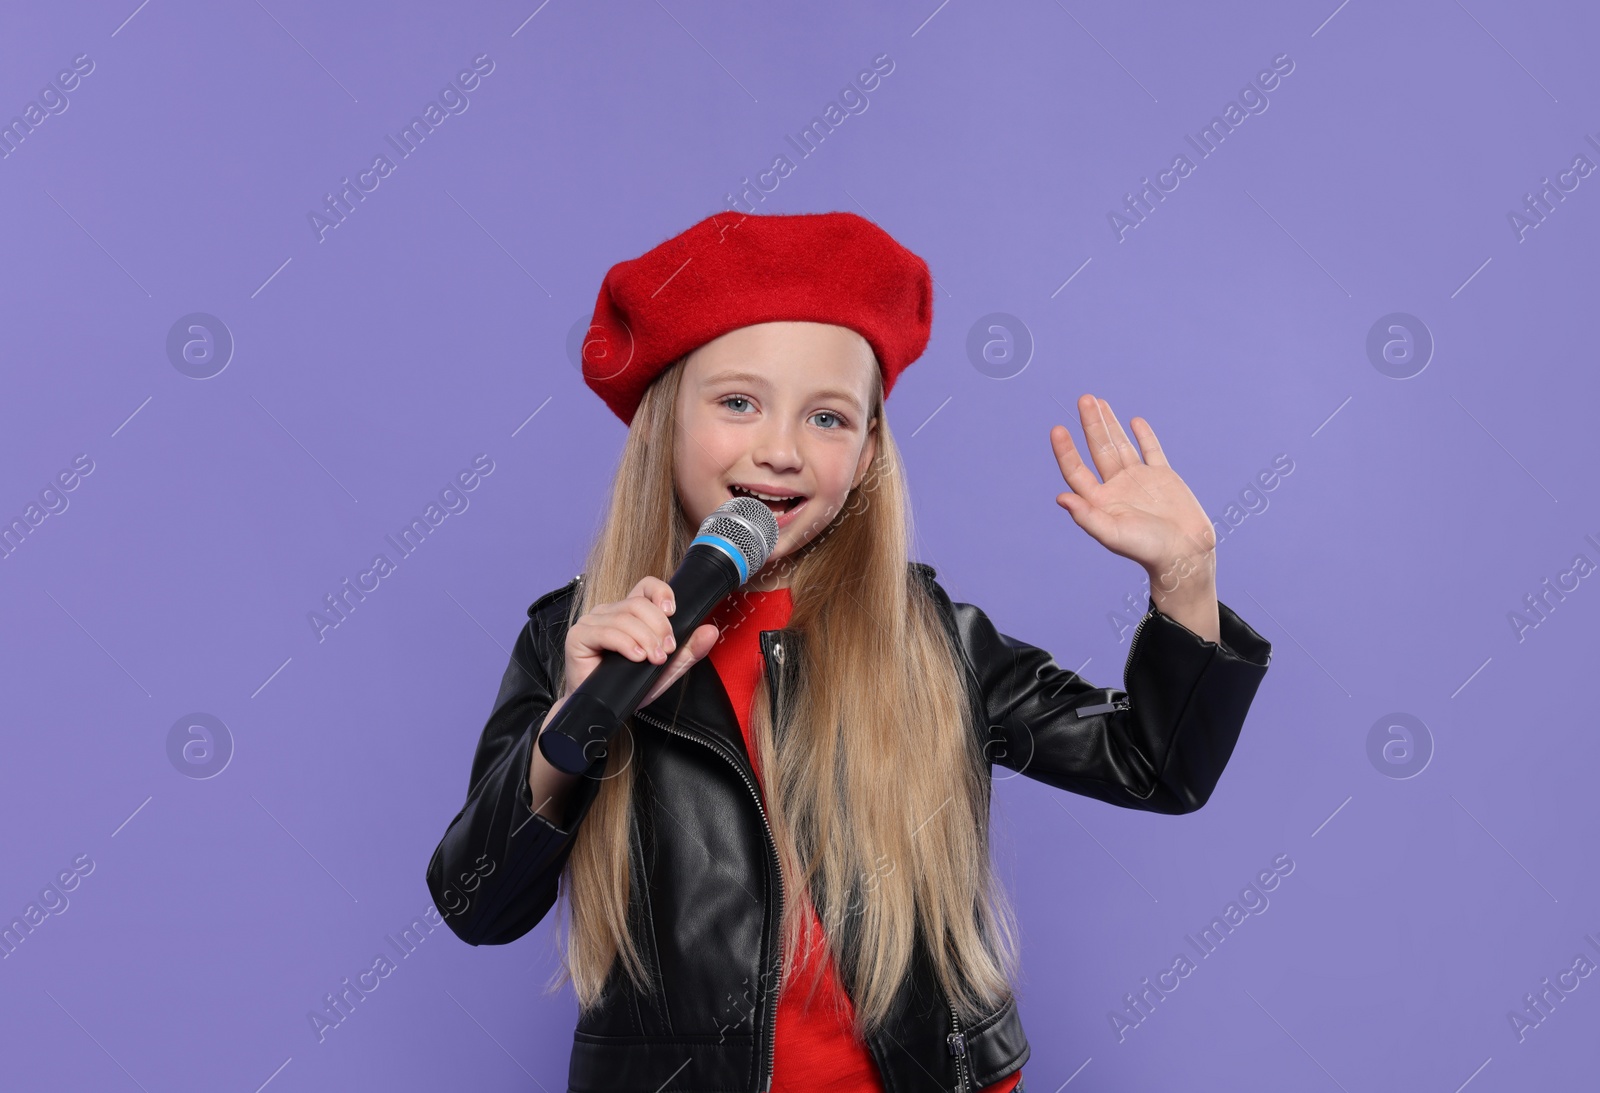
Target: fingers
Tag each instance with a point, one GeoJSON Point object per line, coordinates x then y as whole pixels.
{"type": "Point", "coordinates": [1153, 453]}
{"type": "Point", "coordinates": [699, 643]}
{"type": "Point", "coordinates": [637, 626]}
{"type": "Point", "coordinates": [1097, 433]}
{"type": "Point", "coordinates": [1119, 439]}
{"type": "Point", "coordinates": [1073, 469]}
{"type": "Point", "coordinates": [658, 595]}
{"type": "Point", "coordinates": [655, 590]}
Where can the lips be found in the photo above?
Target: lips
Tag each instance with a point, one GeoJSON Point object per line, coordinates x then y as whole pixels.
{"type": "Point", "coordinates": [784, 509]}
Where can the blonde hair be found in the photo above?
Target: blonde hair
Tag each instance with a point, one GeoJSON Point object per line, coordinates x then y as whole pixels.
{"type": "Point", "coordinates": [879, 800]}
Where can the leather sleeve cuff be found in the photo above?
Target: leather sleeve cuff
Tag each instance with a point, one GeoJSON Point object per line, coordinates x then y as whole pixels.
{"type": "Point", "coordinates": [1189, 699]}
{"type": "Point", "coordinates": [1237, 637]}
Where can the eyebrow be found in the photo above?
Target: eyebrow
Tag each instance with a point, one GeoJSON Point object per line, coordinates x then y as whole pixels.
{"type": "Point", "coordinates": [761, 381]}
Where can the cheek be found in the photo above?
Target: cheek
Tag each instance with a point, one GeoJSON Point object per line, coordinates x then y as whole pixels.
{"type": "Point", "coordinates": [836, 490]}
{"type": "Point", "coordinates": [698, 470]}
{"type": "Point", "coordinates": [688, 456]}
{"type": "Point", "coordinates": [840, 472]}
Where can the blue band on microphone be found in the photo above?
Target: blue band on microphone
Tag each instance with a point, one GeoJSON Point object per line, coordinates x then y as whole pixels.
{"type": "Point", "coordinates": [727, 547]}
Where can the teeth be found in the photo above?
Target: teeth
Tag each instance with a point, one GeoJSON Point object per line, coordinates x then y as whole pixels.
{"type": "Point", "coordinates": [762, 496]}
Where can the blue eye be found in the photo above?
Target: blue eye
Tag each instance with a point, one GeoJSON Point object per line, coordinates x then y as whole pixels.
{"type": "Point", "coordinates": [840, 422]}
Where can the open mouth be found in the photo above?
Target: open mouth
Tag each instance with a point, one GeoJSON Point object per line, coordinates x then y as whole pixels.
{"type": "Point", "coordinates": [779, 505]}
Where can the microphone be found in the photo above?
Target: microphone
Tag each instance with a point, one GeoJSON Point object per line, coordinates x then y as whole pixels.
{"type": "Point", "coordinates": [733, 542]}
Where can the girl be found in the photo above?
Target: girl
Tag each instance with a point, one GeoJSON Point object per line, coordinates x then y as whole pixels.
{"type": "Point", "coordinates": [778, 876]}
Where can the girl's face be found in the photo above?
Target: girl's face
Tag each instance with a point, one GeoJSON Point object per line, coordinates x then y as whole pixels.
{"type": "Point", "coordinates": [778, 409]}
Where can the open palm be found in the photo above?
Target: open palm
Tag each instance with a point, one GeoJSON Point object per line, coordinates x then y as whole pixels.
{"type": "Point", "coordinates": [1138, 507]}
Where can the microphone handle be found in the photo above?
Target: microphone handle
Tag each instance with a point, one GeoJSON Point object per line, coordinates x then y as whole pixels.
{"type": "Point", "coordinates": [578, 734]}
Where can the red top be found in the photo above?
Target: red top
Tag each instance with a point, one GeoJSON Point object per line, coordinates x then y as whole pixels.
{"type": "Point", "coordinates": [816, 1050]}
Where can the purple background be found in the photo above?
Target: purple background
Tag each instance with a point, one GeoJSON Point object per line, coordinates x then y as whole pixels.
{"type": "Point", "coordinates": [434, 324]}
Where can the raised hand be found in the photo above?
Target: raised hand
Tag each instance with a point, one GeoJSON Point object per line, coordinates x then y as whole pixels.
{"type": "Point", "coordinates": [1138, 508]}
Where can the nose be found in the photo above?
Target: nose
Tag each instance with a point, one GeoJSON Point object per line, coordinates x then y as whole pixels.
{"type": "Point", "coordinates": [776, 448]}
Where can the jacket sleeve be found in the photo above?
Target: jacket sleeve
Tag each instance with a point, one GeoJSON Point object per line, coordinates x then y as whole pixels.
{"type": "Point", "coordinates": [1158, 744]}
{"type": "Point", "coordinates": [494, 874]}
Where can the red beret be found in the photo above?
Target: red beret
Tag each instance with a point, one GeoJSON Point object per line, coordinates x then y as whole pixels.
{"type": "Point", "coordinates": [736, 269]}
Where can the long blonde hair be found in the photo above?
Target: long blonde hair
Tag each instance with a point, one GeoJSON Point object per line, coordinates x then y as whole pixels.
{"type": "Point", "coordinates": [880, 798]}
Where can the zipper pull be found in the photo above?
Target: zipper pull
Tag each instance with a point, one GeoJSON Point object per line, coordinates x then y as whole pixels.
{"type": "Point", "coordinates": [1103, 707]}
{"type": "Point", "coordinates": [956, 1041]}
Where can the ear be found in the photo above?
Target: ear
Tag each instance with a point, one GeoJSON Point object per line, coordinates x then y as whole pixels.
{"type": "Point", "coordinates": [868, 450]}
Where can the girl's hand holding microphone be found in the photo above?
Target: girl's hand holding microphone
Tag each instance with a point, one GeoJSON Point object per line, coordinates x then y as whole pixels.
{"type": "Point", "coordinates": [639, 629]}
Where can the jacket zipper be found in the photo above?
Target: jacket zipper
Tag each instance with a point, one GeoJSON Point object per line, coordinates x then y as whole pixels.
{"type": "Point", "coordinates": [957, 1042]}
{"type": "Point", "coordinates": [1135, 643]}
{"type": "Point", "coordinates": [772, 1007]}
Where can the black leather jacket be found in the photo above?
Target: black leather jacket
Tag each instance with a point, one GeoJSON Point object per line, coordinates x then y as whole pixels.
{"type": "Point", "coordinates": [705, 875]}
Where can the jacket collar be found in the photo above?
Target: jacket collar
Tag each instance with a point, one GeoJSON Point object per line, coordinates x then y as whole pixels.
{"type": "Point", "coordinates": [698, 703]}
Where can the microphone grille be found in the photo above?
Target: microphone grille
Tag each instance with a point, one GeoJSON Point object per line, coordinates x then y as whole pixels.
{"type": "Point", "coordinates": [749, 525]}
